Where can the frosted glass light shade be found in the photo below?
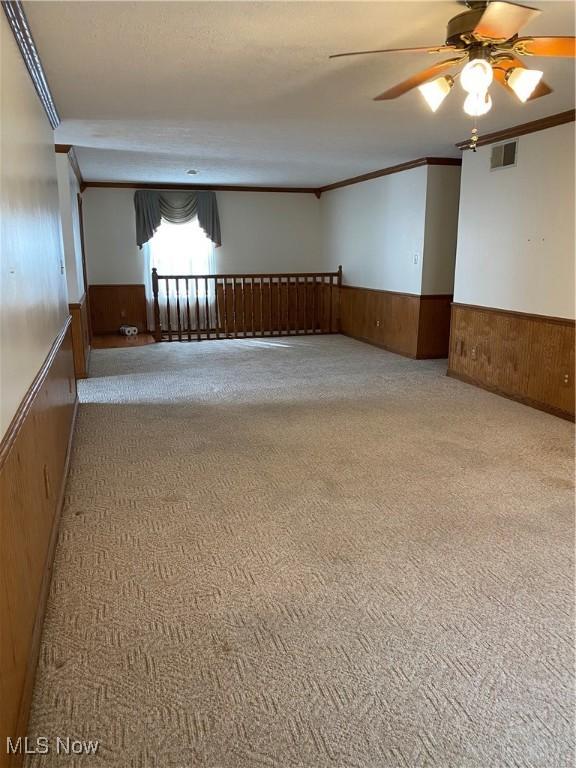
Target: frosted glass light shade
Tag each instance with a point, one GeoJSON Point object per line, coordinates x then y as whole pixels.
{"type": "Point", "coordinates": [477, 104]}
{"type": "Point", "coordinates": [523, 81]}
{"type": "Point", "coordinates": [476, 76]}
{"type": "Point", "coordinates": [436, 91]}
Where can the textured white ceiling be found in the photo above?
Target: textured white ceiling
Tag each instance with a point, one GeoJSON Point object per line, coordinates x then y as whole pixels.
{"type": "Point", "coordinates": [245, 93]}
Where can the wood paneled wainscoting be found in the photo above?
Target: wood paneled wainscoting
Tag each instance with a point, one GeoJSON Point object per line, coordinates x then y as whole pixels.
{"type": "Point", "coordinates": [114, 305]}
{"type": "Point", "coordinates": [80, 337]}
{"type": "Point", "coordinates": [408, 324]}
{"type": "Point", "coordinates": [34, 456]}
{"type": "Point", "coordinates": [529, 358]}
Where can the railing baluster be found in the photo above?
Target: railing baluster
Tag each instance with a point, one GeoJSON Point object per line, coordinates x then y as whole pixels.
{"type": "Point", "coordinates": [243, 302]}
{"type": "Point", "coordinates": [279, 315]}
{"type": "Point", "coordinates": [339, 309]}
{"type": "Point", "coordinates": [234, 307]}
{"type": "Point", "coordinates": [188, 309]}
{"type": "Point", "coordinates": [206, 308]}
{"type": "Point", "coordinates": [314, 302]}
{"type": "Point", "coordinates": [216, 307]}
{"type": "Point", "coordinates": [178, 318]}
{"type": "Point", "coordinates": [252, 305]}
{"type": "Point", "coordinates": [305, 306]}
{"type": "Point", "coordinates": [270, 302]}
{"type": "Point", "coordinates": [198, 332]}
{"type": "Point", "coordinates": [261, 306]}
{"type": "Point", "coordinates": [287, 284]}
{"type": "Point", "coordinates": [157, 323]}
{"type": "Point", "coordinates": [168, 309]}
{"type": "Point", "coordinates": [330, 309]}
{"type": "Point", "coordinates": [225, 292]}
{"type": "Point", "coordinates": [297, 319]}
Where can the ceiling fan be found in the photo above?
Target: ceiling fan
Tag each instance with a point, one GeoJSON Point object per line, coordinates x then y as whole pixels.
{"type": "Point", "coordinates": [486, 38]}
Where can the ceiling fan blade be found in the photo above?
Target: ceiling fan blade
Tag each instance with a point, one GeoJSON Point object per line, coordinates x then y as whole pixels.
{"type": "Point", "coordinates": [425, 49]}
{"type": "Point", "coordinates": [501, 68]}
{"type": "Point", "coordinates": [546, 46]}
{"type": "Point", "coordinates": [501, 21]}
{"type": "Point", "coordinates": [415, 80]}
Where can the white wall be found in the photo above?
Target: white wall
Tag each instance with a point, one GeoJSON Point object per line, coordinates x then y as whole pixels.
{"type": "Point", "coordinates": [260, 232]}
{"type": "Point", "coordinates": [33, 300]}
{"type": "Point", "coordinates": [516, 227]}
{"type": "Point", "coordinates": [375, 229]}
{"type": "Point", "coordinates": [378, 229]}
{"type": "Point", "coordinates": [441, 229]}
{"type": "Point", "coordinates": [68, 190]}
{"type": "Point", "coordinates": [269, 231]}
{"type": "Point", "coordinates": [112, 255]}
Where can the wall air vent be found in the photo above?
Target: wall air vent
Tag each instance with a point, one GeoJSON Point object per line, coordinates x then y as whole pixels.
{"type": "Point", "coordinates": [504, 155]}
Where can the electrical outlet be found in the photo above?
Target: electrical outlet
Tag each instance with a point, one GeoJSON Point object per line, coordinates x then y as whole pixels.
{"type": "Point", "coordinates": [566, 378]}
{"type": "Point", "coordinates": [473, 353]}
{"type": "Point", "coordinates": [377, 323]}
{"type": "Point", "coordinates": [415, 258]}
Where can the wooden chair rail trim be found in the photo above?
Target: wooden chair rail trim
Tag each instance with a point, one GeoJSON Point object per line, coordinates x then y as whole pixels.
{"type": "Point", "coordinates": [521, 130]}
{"type": "Point", "coordinates": [420, 296]}
{"type": "Point", "coordinates": [28, 399]}
{"type": "Point", "coordinates": [527, 315]}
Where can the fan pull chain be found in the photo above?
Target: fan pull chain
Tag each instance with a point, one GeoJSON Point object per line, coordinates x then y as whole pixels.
{"type": "Point", "coordinates": [474, 137]}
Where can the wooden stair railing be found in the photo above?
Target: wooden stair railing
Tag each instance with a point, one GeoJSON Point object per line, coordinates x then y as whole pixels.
{"type": "Point", "coordinates": [198, 307]}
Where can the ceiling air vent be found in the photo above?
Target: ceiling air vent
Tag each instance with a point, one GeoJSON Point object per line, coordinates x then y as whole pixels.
{"type": "Point", "coordinates": [503, 155]}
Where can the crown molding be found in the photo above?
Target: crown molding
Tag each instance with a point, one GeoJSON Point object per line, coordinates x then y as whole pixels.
{"type": "Point", "coordinates": [390, 170]}
{"type": "Point", "coordinates": [23, 36]}
{"type": "Point", "coordinates": [199, 187]}
{"type": "Point", "coordinates": [520, 130]}
{"type": "Point", "coordinates": [317, 191]}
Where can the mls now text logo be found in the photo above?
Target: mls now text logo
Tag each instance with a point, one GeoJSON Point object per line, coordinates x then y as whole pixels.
{"type": "Point", "coordinates": [43, 745]}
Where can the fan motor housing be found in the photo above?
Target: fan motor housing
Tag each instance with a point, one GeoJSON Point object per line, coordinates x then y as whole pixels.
{"type": "Point", "coordinates": [460, 28]}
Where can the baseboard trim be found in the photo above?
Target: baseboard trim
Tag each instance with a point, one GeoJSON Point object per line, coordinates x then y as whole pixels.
{"type": "Point", "coordinates": [509, 396]}
{"type": "Point", "coordinates": [24, 713]}
{"type": "Point", "coordinates": [28, 400]}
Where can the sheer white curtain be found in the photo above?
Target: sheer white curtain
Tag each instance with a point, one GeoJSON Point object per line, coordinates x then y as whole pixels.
{"type": "Point", "coordinates": [179, 249]}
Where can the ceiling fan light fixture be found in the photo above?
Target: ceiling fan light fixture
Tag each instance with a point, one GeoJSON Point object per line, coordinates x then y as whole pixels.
{"type": "Point", "coordinates": [435, 91]}
{"type": "Point", "coordinates": [476, 76]}
{"type": "Point", "coordinates": [477, 104]}
{"type": "Point", "coordinates": [523, 81]}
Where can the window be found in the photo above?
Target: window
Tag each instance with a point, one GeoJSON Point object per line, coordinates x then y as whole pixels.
{"type": "Point", "coordinates": [181, 249]}
{"type": "Point", "coordinates": [178, 249]}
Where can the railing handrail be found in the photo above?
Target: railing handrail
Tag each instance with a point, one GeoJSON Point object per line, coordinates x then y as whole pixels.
{"type": "Point", "coordinates": [247, 274]}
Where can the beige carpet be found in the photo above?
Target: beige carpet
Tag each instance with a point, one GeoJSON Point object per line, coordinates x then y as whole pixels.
{"type": "Point", "coordinates": [309, 553]}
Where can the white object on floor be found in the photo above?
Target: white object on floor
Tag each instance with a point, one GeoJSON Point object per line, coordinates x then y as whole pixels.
{"type": "Point", "coordinates": [128, 330]}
